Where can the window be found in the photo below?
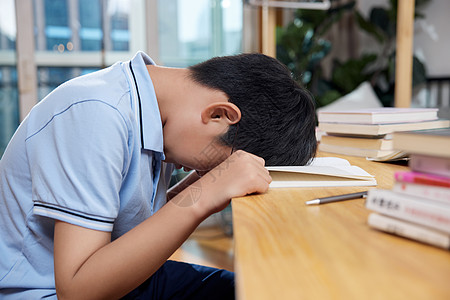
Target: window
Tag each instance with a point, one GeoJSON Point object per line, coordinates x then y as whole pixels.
{"type": "Point", "coordinates": [90, 32]}
{"type": "Point", "coordinates": [76, 37]}
{"type": "Point", "coordinates": [56, 23]}
{"type": "Point", "coordinates": [191, 31]}
{"type": "Point", "coordinates": [82, 25]}
{"type": "Point", "coordinates": [9, 96]}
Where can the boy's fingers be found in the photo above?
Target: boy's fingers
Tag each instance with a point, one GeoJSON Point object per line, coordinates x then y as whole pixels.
{"type": "Point", "coordinates": [257, 158]}
{"type": "Point", "coordinates": [266, 175]}
{"type": "Point", "coordinates": [259, 165]}
{"type": "Point", "coordinates": [264, 184]}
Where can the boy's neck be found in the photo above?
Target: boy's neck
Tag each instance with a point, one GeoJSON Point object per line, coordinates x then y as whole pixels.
{"type": "Point", "coordinates": [169, 84]}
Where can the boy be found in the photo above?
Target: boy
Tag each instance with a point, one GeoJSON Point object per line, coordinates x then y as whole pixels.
{"type": "Point", "coordinates": [83, 181]}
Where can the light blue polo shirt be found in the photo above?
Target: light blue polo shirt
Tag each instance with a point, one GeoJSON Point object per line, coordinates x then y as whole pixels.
{"type": "Point", "coordinates": [89, 154]}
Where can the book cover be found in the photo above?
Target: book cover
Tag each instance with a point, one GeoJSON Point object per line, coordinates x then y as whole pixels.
{"type": "Point", "coordinates": [432, 142]}
{"type": "Point", "coordinates": [435, 193]}
{"type": "Point", "coordinates": [379, 129]}
{"type": "Point", "coordinates": [323, 171]}
{"type": "Point", "coordinates": [409, 230]}
{"type": "Point", "coordinates": [354, 151]}
{"type": "Point", "coordinates": [422, 178]}
{"type": "Point", "coordinates": [414, 209]}
{"type": "Point", "coordinates": [378, 115]}
{"type": "Point", "coordinates": [384, 143]}
{"type": "Point", "coordinates": [430, 164]}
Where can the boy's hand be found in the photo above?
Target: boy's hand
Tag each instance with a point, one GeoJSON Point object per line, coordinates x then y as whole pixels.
{"type": "Point", "coordinates": [240, 174]}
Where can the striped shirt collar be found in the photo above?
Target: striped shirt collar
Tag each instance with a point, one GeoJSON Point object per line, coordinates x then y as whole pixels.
{"type": "Point", "coordinates": [145, 104]}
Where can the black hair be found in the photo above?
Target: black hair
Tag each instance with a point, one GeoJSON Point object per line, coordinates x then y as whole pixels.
{"type": "Point", "coordinates": [278, 116]}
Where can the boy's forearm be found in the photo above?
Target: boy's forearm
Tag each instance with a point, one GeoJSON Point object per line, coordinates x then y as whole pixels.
{"type": "Point", "coordinates": [118, 267]}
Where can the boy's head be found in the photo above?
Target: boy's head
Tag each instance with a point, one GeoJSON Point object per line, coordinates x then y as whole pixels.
{"type": "Point", "coordinates": [277, 115]}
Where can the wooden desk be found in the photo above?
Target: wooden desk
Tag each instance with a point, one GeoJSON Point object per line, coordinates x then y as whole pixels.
{"type": "Point", "coordinates": [287, 250]}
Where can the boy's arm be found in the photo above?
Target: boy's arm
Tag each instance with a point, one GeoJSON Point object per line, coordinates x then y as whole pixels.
{"type": "Point", "coordinates": [89, 266]}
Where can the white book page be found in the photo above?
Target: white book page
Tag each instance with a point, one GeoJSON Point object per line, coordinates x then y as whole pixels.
{"type": "Point", "coordinates": [329, 161]}
{"type": "Point", "coordinates": [330, 166]}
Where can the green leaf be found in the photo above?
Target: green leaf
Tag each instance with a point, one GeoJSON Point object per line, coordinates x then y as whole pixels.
{"type": "Point", "coordinates": [312, 17]}
{"type": "Point", "coordinates": [390, 70]}
{"type": "Point", "coordinates": [348, 75]}
{"type": "Point", "coordinates": [369, 27]}
{"type": "Point", "coordinates": [419, 72]}
{"type": "Point", "coordinates": [329, 97]}
{"type": "Point", "coordinates": [380, 18]}
{"type": "Point", "coordinates": [333, 15]}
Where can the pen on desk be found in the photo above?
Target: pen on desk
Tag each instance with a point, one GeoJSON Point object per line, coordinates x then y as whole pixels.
{"type": "Point", "coordinates": [337, 198]}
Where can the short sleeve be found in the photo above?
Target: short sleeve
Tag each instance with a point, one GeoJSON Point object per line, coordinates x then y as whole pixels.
{"type": "Point", "coordinates": [77, 163]}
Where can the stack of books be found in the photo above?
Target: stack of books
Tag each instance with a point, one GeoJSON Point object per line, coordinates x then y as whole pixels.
{"type": "Point", "coordinates": [368, 132]}
{"type": "Point", "coordinates": [418, 206]}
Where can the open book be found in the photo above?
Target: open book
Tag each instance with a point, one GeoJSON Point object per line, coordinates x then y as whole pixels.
{"type": "Point", "coordinates": [323, 171]}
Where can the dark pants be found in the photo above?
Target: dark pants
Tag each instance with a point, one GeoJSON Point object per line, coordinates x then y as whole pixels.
{"type": "Point", "coordinates": [178, 280]}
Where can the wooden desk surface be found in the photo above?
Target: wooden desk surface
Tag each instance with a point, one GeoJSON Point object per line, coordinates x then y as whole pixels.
{"type": "Point", "coordinates": [287, 250]}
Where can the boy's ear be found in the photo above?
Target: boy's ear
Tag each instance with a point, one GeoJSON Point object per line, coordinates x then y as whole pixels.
{"type": "Point", "coordinates": [221, 111]}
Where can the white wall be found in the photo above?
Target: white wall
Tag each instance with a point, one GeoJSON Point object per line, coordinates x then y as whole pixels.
{"type": "Point", "coordinates": [431, 38]}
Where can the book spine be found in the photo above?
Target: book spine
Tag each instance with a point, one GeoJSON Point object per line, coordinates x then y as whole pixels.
{"type": "Point", "coordinates": [421, 211]}
{"type": "Point", "coordinates": [430, 164]}
{"type": "Point", "coordinates": [409, 230]}
{"type": "Point", "coordinates": [351, 151]}
{"type": "Point", "coordinates": [436, 193]}
{"type": "Point", "coordinates": [422, 178]}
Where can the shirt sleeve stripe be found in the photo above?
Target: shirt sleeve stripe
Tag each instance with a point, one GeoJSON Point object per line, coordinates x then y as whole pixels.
{"type": "Point", "coordinates": [96, 223]}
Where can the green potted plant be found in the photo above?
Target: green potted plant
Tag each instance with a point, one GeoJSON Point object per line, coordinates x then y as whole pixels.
{"type": "Point", "coordinates": [302, 46]}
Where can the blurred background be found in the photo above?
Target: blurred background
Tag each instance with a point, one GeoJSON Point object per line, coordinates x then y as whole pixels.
{"type": "Point", "coordinates": [331, 48]}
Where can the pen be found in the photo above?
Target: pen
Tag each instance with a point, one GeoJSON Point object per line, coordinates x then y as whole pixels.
{"type": "Point", "coordinates": [337, 198]}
